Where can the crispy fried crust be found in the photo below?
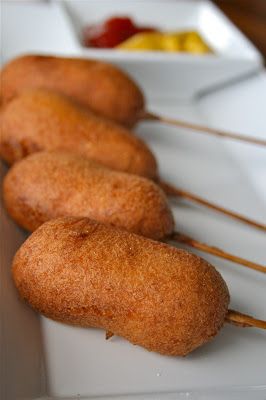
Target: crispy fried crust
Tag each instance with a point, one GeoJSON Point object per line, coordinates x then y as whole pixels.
{"type": "Point", "coordinates": [99, 86]}
{"type": "Point", "coordinates": [44, 120]}
{"type": "Point", "coordinates": [48, 185]}
{"type": "Point", "coordinates": [84, 273]}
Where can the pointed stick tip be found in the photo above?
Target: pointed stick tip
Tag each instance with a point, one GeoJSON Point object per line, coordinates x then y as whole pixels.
{"type": "Point", "coordinates": [108, 335]}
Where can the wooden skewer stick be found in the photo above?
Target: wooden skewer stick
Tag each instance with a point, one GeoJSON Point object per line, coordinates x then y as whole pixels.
{"type": "Point", "coordinates": [108, 335]}
{"type": "Point", "coordinates": [179, 237]}
{"type": "Point", "coordinates": [237, 318]}
{"type": "Point", "coordinates": [203, 129]}
{"type": "Point", "coordinates": [172, 191]}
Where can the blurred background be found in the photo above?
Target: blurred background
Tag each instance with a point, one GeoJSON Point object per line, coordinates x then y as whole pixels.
{"type": "Point", "coordinates": [250, 17]}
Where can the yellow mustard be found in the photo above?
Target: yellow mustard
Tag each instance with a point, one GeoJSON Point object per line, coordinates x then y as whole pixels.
{"type": "Point", "coordinates": [189, 41]}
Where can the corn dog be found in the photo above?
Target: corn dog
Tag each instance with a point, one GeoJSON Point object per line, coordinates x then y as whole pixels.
{"type": "Point", "coordinates": [48, 185]}
{"type": "Point", "coordinates": [81, 272]}
{"type": "Point", "coordinates": [44, 120]}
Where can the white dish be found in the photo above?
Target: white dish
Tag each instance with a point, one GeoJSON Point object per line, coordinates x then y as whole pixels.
{"type": "Point", "coordinates": [184, 75]}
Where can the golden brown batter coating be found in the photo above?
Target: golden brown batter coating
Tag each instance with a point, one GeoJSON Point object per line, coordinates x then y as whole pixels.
{"type": "Point", "coordinates": [48, 185]}
{"type": "Point", "coordinates": [44, 120]}
{"type": "Point", "coordinates": [85, 273]}
{"type": "Point", "coordinates": [99, 86]}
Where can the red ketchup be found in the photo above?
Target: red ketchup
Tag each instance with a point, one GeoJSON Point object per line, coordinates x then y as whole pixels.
{"type": "Point", "coordinates": [112, 32]}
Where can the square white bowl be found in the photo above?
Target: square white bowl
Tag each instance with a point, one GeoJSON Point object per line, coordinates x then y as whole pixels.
{"type": "Point", "coordinates": [184, 75]}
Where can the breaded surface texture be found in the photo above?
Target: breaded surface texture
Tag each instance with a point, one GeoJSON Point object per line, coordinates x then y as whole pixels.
{"type": "Point", "coordinates": [99, 86]}
{"type": "Point", "coordinates": [48, 185]}
{"type": "Point", "coordinates": [44, 120]}
{"type": "Point", "coordinates": [81, 272]}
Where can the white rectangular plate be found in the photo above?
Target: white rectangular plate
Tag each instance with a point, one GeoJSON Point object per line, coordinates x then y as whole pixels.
{"type": "Point", "coordinates": [76, 361]}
